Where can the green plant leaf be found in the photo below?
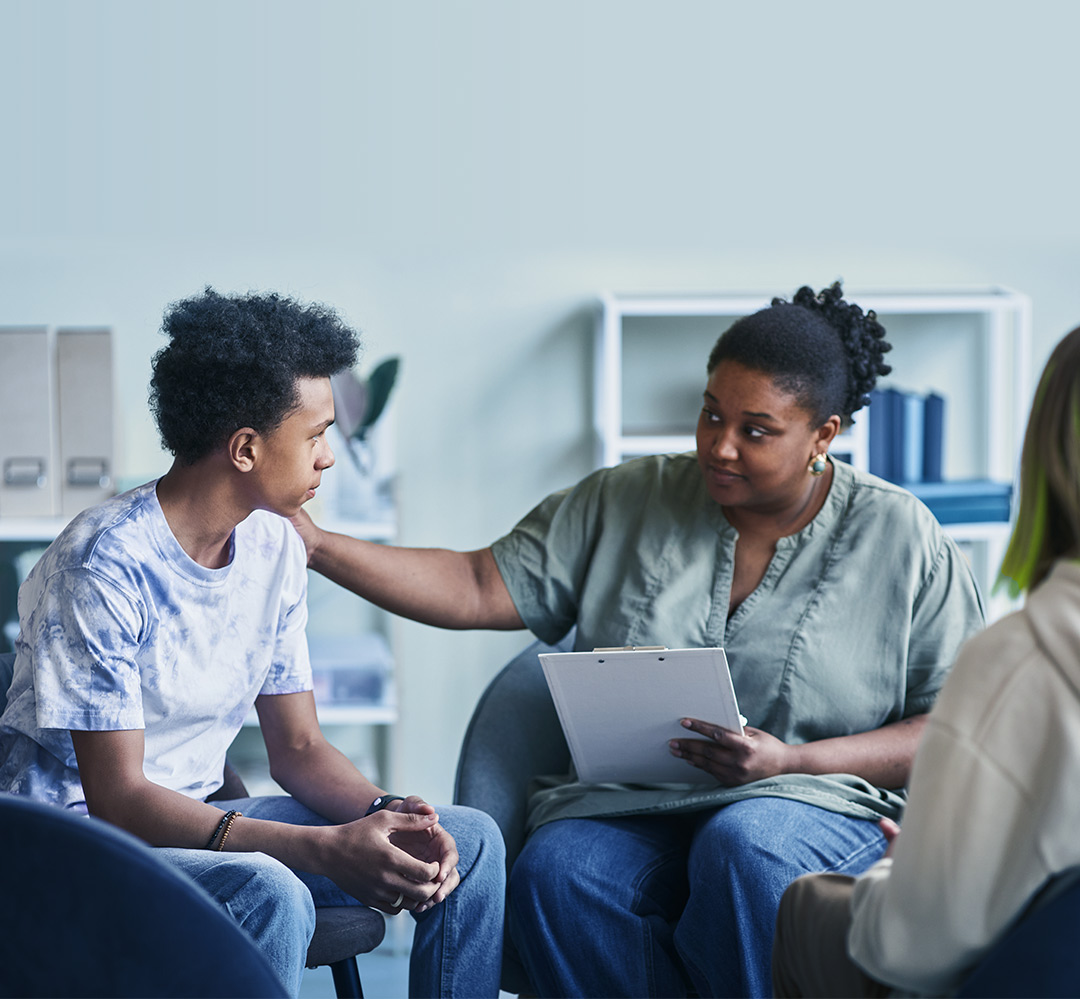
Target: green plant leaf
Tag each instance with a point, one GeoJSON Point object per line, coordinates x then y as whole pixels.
{"type": "Point", "coordinates": [379, 386]}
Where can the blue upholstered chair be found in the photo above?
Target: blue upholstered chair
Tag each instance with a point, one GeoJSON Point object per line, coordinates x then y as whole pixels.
{"type": "Point", "coordinates": [1040, 955]}
{"type": "Point", "coordinates": [514, 735]}
{"type": "Point", "coordinates": [340, 933]}
{"type": "Point", "coordinates": [91, 911]}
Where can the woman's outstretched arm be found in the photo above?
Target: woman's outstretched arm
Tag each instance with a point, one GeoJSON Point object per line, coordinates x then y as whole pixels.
{"type": "Point", "coordinates": [435, 586]}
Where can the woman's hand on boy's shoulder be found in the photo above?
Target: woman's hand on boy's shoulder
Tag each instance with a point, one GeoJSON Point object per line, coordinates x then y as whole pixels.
{"type": "Point", "coordinates": [308, 532]}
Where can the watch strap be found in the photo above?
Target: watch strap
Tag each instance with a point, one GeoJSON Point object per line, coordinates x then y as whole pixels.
{"type": "Point", "coordinates": [381, 802]}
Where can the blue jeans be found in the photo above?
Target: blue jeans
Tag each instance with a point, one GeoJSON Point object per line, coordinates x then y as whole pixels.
{"type": "Point", "coordinates": [457, 945]}
{"type": "Point", "coordinates": [659, 905]}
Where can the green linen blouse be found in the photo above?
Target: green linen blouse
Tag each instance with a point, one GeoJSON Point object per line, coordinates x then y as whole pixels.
{"type": "Point", "coordinates": [855, 624]}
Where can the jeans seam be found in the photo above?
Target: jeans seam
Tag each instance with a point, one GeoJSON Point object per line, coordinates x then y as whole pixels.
{"type": "Point", "coordinates": [841, 866]}
{"type": "Point", "coordinates": [646, 935]}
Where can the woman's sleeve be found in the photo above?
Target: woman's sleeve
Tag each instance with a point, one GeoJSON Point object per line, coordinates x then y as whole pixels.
{"type": "Point", "coordinates": [947, 612]}
{"type": "Point", "coordinates": [544, 560]}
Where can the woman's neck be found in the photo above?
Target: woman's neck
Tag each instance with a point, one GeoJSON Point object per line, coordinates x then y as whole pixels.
{"type": "Point", "coordinates": [787, 520]}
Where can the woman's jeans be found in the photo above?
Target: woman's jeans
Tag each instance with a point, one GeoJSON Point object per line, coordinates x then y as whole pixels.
{"type": "Point", "coordinates": [457, 945]}
{"type": "Point", "coordinates": [661, 905]}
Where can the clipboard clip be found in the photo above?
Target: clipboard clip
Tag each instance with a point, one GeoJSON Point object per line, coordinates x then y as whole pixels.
{"type": "Point", "coordinates": [632, 648]}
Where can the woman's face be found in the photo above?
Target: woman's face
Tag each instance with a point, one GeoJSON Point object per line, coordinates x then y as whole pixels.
{"type": "Point", "coordinates": [755, 442]}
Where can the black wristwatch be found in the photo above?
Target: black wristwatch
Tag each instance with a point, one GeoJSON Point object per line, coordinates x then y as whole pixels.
{"type": "Point", "coordinates": [381, 802]}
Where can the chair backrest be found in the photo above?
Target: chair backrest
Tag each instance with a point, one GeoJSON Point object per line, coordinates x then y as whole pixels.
{"type": "Point", "coordinates": [92, 911]}
{"type": "Point", "coordinates": [1039, 955]}
{"type": "Point", "coordinates": [514, 735]}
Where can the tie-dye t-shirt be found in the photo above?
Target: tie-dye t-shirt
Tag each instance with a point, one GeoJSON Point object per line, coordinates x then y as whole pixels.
{"type": "Point", "coordinates": [121, 629]}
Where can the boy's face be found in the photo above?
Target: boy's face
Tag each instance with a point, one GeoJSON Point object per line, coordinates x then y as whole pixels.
{"type": "Point", "coordinates": [293, 457]}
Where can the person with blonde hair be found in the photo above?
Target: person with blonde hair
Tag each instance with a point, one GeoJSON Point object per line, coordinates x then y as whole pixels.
{"type": "Point", "coordinates": [994, 798]}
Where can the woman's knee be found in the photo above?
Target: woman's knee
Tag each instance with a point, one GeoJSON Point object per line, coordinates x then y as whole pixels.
{"type": "Point", "coordinates": [775, 840]}
{"type": "Point", "coordinates": [624, 864]}
{"type": "Point", "coordinates": [543, 870]}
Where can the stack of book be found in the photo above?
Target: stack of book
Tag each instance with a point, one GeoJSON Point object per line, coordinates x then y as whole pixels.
{"type": "Point", "coordinates": [906, 435]}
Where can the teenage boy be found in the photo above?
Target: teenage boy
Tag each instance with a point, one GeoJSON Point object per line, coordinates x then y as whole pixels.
{"type": "Point", "coordinates": [158, 618]}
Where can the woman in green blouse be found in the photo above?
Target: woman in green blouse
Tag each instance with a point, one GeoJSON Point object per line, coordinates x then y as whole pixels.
{"type": "Point", "coordinates": [839, 600]}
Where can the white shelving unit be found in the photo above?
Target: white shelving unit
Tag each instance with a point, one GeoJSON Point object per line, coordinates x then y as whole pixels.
{"type": "Point", "coordinates": [31, 528]}
{"type": "Point", "coordinates": [972, 345]}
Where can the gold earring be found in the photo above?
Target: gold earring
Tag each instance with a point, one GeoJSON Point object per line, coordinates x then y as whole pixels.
{"type": "Point", "coordinates": [817, 464]}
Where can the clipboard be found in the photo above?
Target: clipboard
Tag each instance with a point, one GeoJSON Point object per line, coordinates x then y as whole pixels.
{"type": "Point", "coordinates": [619, 708]}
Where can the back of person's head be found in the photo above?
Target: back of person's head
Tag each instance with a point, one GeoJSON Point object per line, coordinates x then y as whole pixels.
{"type": "Point", "coordinates": [1048, 521]}
{"type": "Point", "coordinates": [824, 351]}
{"type": "Point", "coordinates": [233, 362]}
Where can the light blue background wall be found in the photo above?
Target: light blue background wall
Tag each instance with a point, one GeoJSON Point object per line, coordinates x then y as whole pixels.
{"type": "Point", "coordinates": [462, 178]}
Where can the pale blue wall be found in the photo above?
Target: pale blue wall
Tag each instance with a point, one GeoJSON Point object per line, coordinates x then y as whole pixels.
{"type": "Point", "coordinates": [461, 178]}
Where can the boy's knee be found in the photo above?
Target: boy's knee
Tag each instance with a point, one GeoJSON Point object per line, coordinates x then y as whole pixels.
{"type": "Point", "coordinates": [272, 893]}
{"type": "Point", "coordinates": [478, 838]}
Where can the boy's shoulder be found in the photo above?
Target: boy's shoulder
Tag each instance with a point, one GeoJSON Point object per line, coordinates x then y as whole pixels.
{"type": "Point", "coordinates": [121, 521]}
{"type": "Point", "coordinates": [127, 539]}
{"type": "Point", "coordinates": [263, 528]}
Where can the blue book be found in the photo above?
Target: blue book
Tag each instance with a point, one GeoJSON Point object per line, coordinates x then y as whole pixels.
{"type": "Point", "coordinates": [911, 463]}
{"type": "Point", "coordinates": [933, 437]}
{"type": "Point", "coordinates": [887, 434]}
{"type": "Point", "coordinates": [894, 434]}
{"type": "Point", "coordinates": [969, 501]}
{"type": "Point", "coordinates": [877, 434]}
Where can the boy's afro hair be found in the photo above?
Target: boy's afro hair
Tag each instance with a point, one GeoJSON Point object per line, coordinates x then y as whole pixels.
{"type": "Point", "coordinates": [233, 362]}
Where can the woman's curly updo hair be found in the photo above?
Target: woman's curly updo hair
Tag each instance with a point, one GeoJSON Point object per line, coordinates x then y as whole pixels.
{"type": "Point", "coordinates": [233, 362]}
{"type": "Point", "coordinates": [824, 351]}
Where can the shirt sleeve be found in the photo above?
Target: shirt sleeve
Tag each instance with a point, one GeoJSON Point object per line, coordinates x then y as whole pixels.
{"type": "Point", "coordinates": [544, 560]}
{"type": "Point", "coordinates": [85, 648]}
{"type": "Point", "coordinates": [290, 668]}
{"type": "Point", "coordinates": [947, 612]}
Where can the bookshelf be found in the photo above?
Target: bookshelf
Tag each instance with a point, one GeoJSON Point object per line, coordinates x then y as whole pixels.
{"type": "Point", "coordinates": [971, 345]}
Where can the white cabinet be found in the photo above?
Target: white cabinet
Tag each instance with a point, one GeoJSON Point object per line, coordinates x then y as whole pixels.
{"type": "Point", "coordinates": [970, 345]}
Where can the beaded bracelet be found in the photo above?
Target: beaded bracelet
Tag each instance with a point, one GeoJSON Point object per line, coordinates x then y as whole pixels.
{"type": "Point", "coordinates": [230, 818]}
{"type": "Point", "coordinates": [225, 824]}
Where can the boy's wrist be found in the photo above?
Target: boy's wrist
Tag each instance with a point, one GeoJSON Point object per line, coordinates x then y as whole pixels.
{"type": "Point", "coordinates": [381, 802]}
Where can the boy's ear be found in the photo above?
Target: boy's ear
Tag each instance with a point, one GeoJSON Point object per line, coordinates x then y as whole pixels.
{"type": "Point", "coordinates": [242, 447]}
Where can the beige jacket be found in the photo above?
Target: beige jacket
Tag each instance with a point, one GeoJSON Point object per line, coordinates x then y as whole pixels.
{"type": "Point", "coordinates": [994, 804]}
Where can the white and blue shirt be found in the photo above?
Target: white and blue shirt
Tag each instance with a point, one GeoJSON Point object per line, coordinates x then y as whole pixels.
{"type": "Point", "coordinates": [121, 629]}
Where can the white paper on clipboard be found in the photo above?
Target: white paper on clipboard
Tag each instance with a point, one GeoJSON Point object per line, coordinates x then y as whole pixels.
{"type": "Point", "coordinates": [620, 708]}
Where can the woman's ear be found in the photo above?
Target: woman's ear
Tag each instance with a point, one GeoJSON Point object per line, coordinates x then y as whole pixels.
{"type": "Point", "coordinates": [827, 432]}
{"type": "Point", "coordinates": [242, 447]}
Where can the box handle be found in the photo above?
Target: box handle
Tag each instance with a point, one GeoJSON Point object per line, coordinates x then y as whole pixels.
{"type": "Point", "coordinates": [88, 472]}
{"type": "Point", "coordinates": [24, 472]}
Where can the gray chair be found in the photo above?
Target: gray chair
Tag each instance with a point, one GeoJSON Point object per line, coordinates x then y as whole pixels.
{"type": "Point", "coordinates": [341, 933]}
{"type": "Point", "coordinates": [514, 735]}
